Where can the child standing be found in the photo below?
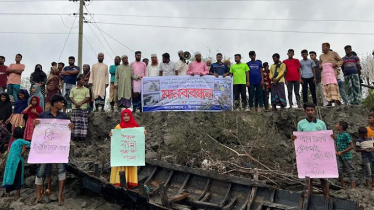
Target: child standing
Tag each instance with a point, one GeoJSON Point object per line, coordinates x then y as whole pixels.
{"type": "Point", "coordinates": [364, 145]}
{"type": "Point", "coordinates": [79, 97]}
{"type": "Point", "coordinates": [14, 169]}
{"type": "Point", "coordinates": [32, 111]}
{"type": "Point", "coordinates": [344, 145]}
{"type": "Point", "coordinates": [127, 121]}
{"type": "Point", "coordinates": [16, 118]}
{"type": "Point", "coordinates": [36, 91]}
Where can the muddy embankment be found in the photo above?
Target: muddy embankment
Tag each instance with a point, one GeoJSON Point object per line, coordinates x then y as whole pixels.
{"type": "Point", "coordinates": [211, 141]}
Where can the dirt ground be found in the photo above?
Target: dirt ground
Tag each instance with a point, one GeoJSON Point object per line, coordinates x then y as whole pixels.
{"type": "Point", "coordinates": [211, 141]}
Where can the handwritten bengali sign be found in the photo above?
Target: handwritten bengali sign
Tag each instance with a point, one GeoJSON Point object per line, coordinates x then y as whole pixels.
{"type": "Point", "coordinates": [187, 93]}
{"type": "Point", "coordinates": [127, 147]}
{"type": "Point", "coordinates": [315, 154]}
{"type": "Point", "coordinates": [50, 142]}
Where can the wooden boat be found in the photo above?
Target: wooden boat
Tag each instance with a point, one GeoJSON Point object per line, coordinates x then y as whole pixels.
{"type": "Point", "coordinates": [168, 186]}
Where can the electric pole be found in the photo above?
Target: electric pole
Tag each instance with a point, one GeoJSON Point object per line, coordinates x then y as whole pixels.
{"type": "Point", "coordinates": [80, 37]}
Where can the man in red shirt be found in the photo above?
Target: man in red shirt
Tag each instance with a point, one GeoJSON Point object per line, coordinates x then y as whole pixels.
{"type": "Point", "coordinates": [3, 74]}
{"type": "Point", "coordinates": [293, 77]}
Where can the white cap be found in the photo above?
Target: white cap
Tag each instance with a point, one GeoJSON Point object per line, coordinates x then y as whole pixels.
{"type": "Point", "coordinates": [197, 53]}
{"type": "Point", "coordinates": [153, 55]}
{"type": "Point", "coordinates": [124, 56]}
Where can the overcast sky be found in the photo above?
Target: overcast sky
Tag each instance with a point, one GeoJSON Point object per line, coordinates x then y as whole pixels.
{"type": "Point", "coordinates": [45, 48]}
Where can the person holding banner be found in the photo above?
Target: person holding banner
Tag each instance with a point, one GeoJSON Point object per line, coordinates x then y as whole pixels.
{"type": "Point", "coordinates": [127, 121]}
{"type": "Point", "coordinates": [14, 168]}
{"type": "Point", "coordinates": [57, 104]}
{"type": "Point", "coordinates": [198, 67]}
{"type": "Point", "coordinates": [311, 123]}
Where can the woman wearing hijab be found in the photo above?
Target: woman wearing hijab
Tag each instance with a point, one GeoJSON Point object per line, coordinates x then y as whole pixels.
{"type": "Point", "coordinates": [32, 111]}
{"type": "Point", "coordinates": [39, 78]}
{"type": "Point", "coordinates": [127, 121]}
{"type": "Point", "coordinates": [5, 112]}
{"type": "Point", "coordinates": [16, 118]}
{"type": "Point", "coordinates": [36, 91]}
{"type": "Point", "coordinates": [54, 85]}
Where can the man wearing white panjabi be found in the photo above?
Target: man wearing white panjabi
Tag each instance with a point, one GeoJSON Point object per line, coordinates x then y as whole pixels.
{"type": "Point", "coordinates": [99, 79]}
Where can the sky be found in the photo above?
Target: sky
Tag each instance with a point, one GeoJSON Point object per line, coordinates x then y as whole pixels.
{"type": "Point", "coordinates": [265, 26]}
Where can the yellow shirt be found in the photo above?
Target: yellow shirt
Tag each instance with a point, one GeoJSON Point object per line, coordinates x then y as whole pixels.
{"type": "Point", "coordinates": [79, 95]}
{"type": "Point", "coordinates": [281, 70]}
{"type": "Point", "coordinates": [370, 132]}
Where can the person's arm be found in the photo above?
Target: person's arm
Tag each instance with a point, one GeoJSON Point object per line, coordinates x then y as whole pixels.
{"type": "Point", "coordinates": [32, 79]}
{"type": "Point", "coordinates": [211, 70]}
{"type": "Point", "coordinates": [339, 60]}
{"type": "Point", "coordinates": [116, 78]}
{"type": "Point", "coordinates": [27, 108]}
{"type": "Point", "coordinates": [351, 147]}
{"type": "Point", "coordinates": [358, 64]}
{"type": "Point", "coordinates": [262, 76]}
{"type": "Point", "coordinates": [107, 79]}
{"type": "Point", "coordinates": [371, 71]}
{"type": "Point", "coordinates": [176, 69]}
{"type": "Point", "coordinates": [161, 71]}
{"type": "Point", "coordinates": [133, 76]}
{"type": "Point", "coordinates": [91, 79]}
{"type": "Point", "coordinates": [206, 69]}
{"type": "Point", "coordinates": [314, 72]}
{"type": "Point", "coordinates": [71, 96]}
{"type": "Point", "coordinates": [300, 78]}
{"type": "Point", "coordinates": [247, 75]}
{"type": "Point", "coordinates": [17, 71]}
{"type": "Point", "coordinates": [189, 70]}
{"type": "Point", "coordinates": [281, 70]}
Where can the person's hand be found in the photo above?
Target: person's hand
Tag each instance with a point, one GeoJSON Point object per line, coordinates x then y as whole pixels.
{"type": "Point", "coordinates": [106, 85]}
{"type": "Point", "coordinates": [7, 121]}
{"type": "Point", "coordinates": [34, 111]}
{"type": "Point", "coordinates": [78, 106]}
{"type": "Point", "coordinates": [145, 132]}
{"type": "Point", "coordinates": [71, 126]}
{"type": "Point", "coordinates": [293, 137]}
{"type": "Point", "coordinates": [334, 65]}
{"type": "Point", "coordinates": [201, 74]}
{"type": "Point", "coordinates": [140, 77]}
{"type": "Point", "coordinates": [339, 153]}
{"type": "Point", "coordinates": [116, 87]}
{"type": "Point", "coordinates": [231, 75]}
{"type": "Point", "coordinates": [216, 75]}
{"type": "Point", "coordinates": [224, 75]}
{"type": "Point", "coordinates": [192, 74]}
{"type": "Point", "coordinates": [275, 81]}
{"type": "Point", "coordinates": [36, 122]}
{"type": "Point", "coordinates": [248, 84]}
{"type": "Point", "coordinates": [301, 81]}
{"type": "Point", "coordinates": [29, 106]}
{"type": "Point", "coordinates": [333, 136]}
{"type": "Point", "coordinates": [368, 150]}
{"type": "Point", "coordinates": [315, 81]}
{"type": "Point", "coordinates": [110, 134]}
{"type": "Point", "coordinates": [262, 83]}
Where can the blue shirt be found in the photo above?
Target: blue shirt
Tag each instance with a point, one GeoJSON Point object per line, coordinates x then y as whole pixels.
{"type": "Point", "coordinates": [71, 78]}
{"type": "Point", "coordinates": [49, 115]}
{"type": "Point", "coordinates": [255, 72]}
{"type": "Point", "coordinates": [307, 68]}
{"type": "Point", "coordinates": [219, 68]}
{"type": "Point", "coordinates": [350, 65]}
{"type": "Point", "coordinates": [112, 72]}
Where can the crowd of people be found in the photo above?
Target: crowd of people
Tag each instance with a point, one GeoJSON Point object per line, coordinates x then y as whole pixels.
{"type": "Point", "coordinates": [65, 89]}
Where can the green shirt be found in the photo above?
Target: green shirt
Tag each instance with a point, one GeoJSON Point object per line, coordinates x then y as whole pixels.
{"type": "Point", "coordinates": [343, 140]}
{"type": "Point", "coordinates": [79, 94]}
{"type": "Point", "coordinates": [239, 73]}
{"type": "Point", "coordinates": [316, 125]}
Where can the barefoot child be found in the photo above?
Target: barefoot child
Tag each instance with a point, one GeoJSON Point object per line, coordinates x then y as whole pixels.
{"type": "Point", "coordinates": [364, 145]}
{"type": "Point", "coordinates": [16, 119]}
{"type": "Point", "coordinates": [344, 145]}
{"type": "Point", "coordinates": [127, 121]}
{"type": "Point", "coordinates": [32, 111]}
{"type": "Point", "coordinates": [14, 169]}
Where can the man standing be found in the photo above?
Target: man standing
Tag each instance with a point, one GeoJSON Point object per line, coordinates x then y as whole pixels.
{"type": "Point", "coordinates": [140, 70]}
{"type": "Point", "coordinates": [371, 68]}
{"type": "Point", "coordinates": [340, 79]}
{"type": "Point", "coordinates": [293, 77]}
{"type": "Point", "coordinates": [317, 71]}
{"type": "Point", "coordinates": [3, 74]}
{"type": "Point", "coordinates": [69, 74]}
{"type": "Point", "coordinates": [182, 65]}
{"type": "Point", "coordinates": [112, 71]}
{"type": "Point", "coordinates": [146, 61]}
{"type": "Point", "coordinates": [278, 94]}
{"type": "Point", "coordinates": [330, 62]}
{"type": "Point", "coordinates": [86, 78]}
{"type": "Point", "coordinates": [153, 70]}
{"type": "Point", "coordinates": [240, 72]}
{"type": "Point", "coordinates": [311, 123]}
{"type": "Point", "coordinates": [256, 81]}
{"type": "Point", "coordinates": [308, 76]}
{"type": "Point", "coordinates": [219, 68]}
{"type": "Point", "coordinates": [198, 67]}
{"type": "Point", "coordinates": [57, 103]}
{"type": "Point", "coordinates": [122, 83]}
{"type": "Point", "coordinates": [209, 63]}
{"type": "Point", "coordinates": [99, 79]}
{"type": "Point", "coordinates": [167, 67]}
{"type": "Point", "coordinates": [14, 77]}
{"type": "Point", "coordinates": [351, 68]}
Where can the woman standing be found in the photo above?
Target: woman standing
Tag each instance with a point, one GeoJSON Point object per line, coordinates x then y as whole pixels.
{"type": "Point", "coordinates": [54, 85]}
{"type": "Point", "coordinates": [5, 112]}
{"type": "Point", "coordinates": [39, 78]}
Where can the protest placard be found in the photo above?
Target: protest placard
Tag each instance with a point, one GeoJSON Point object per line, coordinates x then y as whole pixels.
{"type": "Point", "coordinates": [127, 147]}
{"type": "Point", "coordinates": [50, 142]}
{"type": "Point", "coordinates": [187, 93]}
{"type": "Point", "coordinates": [315, 154]}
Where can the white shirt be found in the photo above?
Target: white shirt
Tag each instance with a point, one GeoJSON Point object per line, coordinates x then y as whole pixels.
{"type": "Point", "coordinates": [371, 69]}
{"type": "Point", "coordinates": [153, 71]}
{"type": "Point", "coordinates": [168, 69]}
{"type": "Point", "coordinates": [182, 68]}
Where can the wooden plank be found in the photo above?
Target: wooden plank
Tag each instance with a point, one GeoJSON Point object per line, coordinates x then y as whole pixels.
{"type": "Point", "coordinates": [150, 176]}
{"type": "Point", "coordinates": [271, 199]}
{"type": "Point", "coordinates": [181, 189]}
{"type": "Point", "coordinates": [206, 188]}
{"type": "Point", "coordinates": [231, 204]}
{"type": "Point", "coordinates": [165, 185]}
{"type": "Point", "coordinates": [227, 196]}
{"type": "Point", "coordinates": [212, 175]}
{"type": "Point", "coordinates": [96, 170]}
{"type": "Point", "coordinates": [279, 206]}
{"type": "Point", "coordinates": [253, 191]}
{"type": "Point", "coordinates": [207, 197]}
{"type": "Point", "coordinates": [307, 193]}
{"type": "Point", "coordinates": [203, 205]}
{"type": "Point", "coordinates": [164, 196]}
{"type": "Point", "coordinates": [179, 197]}
{"type": "Point", "coordinates": [122, 178]}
